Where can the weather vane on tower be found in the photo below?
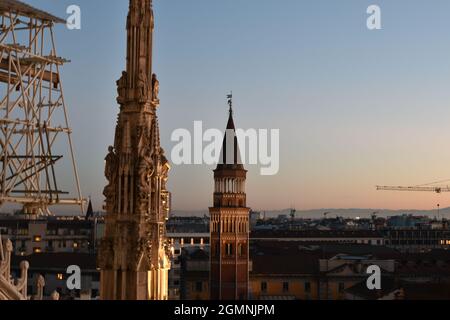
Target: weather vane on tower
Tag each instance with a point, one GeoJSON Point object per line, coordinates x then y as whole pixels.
{"type": "Point", "coordinates": [230, 101]}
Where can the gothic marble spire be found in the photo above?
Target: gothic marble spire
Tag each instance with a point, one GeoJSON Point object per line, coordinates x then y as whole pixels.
{"type": "Point", "coordinates": [133, 256]}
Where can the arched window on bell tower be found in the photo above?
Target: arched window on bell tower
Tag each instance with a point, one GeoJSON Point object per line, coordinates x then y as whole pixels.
{"type": "Point", "coordinates": [229, 249]}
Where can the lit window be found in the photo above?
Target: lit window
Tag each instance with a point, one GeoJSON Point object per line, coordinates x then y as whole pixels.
{"type": "Point", "coordinates": [60, 276]}
{"type": "Point", "coordinates": [37, 250]}
{"type": "Point", "coordinates": [75, 245]}
{"type": "Point", "coordinates": [37, 238]}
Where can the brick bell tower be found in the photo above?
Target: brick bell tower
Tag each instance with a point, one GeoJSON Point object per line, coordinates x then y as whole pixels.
{"type": "Point", "coordinates": [229, 223]}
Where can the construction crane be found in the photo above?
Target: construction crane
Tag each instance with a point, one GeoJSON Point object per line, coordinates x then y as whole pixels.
{"type": "Point", "coordinates": [429, 189]}
{"type": "Point", "coordinates": [424, 187]}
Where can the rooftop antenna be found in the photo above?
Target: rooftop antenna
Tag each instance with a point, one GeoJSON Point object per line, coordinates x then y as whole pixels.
{"type": "Point", "coordinates": [293, 212]}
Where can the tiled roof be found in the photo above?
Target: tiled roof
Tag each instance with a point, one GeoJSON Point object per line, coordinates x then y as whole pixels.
{"type": "Point", "coordinates": [406, 290]}
{"type": "Point", "coordinates": [287, 259]}
{"type": "Point", "coordinates": [361, 291]}
{"type": "Point", "coordinates": [315, 234]}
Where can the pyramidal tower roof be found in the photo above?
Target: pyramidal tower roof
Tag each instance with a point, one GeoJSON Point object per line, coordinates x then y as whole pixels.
{"type": "Point", "coordinates": [230, 155]}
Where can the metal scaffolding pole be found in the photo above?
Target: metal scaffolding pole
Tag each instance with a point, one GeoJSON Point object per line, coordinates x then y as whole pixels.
{"type": "Point", "coordinates": [33, 112]}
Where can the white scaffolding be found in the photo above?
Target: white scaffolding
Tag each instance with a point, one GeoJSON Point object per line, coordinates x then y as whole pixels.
{"type": "Point", "coordinates": [33, 114]}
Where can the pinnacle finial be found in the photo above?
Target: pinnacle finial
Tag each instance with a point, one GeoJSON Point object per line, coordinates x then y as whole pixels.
{"type": "Point", "coordinates": [230, 101]}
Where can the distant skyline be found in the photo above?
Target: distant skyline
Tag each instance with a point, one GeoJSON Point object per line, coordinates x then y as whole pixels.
{"type": "Point", "coordinates": [355, 108]}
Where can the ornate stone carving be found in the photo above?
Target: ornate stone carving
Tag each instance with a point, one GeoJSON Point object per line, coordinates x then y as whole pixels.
{"type": "Point", "coordinates": [9, 246]}
{"type": "Point", "coordinates": [105, 260]}
{"type": "Point", "coordinates": [111, 166]}
{"type": "Point", "coordinates": [146, 170]}
{"type": "Point", "coordinates": [55, 295]}
{"type": "Point", "coordinates": [12, 289]}
{"type": "Point", "coordinates": [40, 284]}
{"type": "Point", "coordinates": [135, 230]}
{"type": "Point", "coordinates": [122, 85]}
{"type": "Point", "coordinates": [142, 255]}
{"type": "Point", "coordinates": [143, 86]}
{"type": "Point", "coordinates": [155, 88]}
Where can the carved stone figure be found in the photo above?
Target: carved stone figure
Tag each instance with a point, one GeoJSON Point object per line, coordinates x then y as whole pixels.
{"type": "Point", "coordinates": [145, 172]}
{"type": "Point", "coordinates": [142, 86]}
{"type": "Point", "coordinates": [111, 165]}
{"type": "Point", "coordinates": [155, 86]}
{"type": "Point", "coordinates": [122, 85]}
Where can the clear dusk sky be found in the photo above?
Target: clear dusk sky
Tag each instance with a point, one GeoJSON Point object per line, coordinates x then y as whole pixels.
{"type": "Point", "coordinates": [355, 108]}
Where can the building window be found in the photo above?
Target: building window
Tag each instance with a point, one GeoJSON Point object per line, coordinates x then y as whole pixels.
{"type": "Point", "coordinates": [229, 249]}
{"type": "Point", "coordinates": [60, 276]}
{"type": "Point", "coordinates": [75, 245]}
{"type": "Point", "coordinates": [198, 287]}
{"type": "Point", "coordinates": [37, 238]}
{"type": "Point", "coordinates": [37, 250]}
{"type": "Point", "coordinates": [307, 287]}
{"type": "Point", "coordinates": [263, 286]}
{"type": "Point", "coordinates": [285, 286]}
{"type": "Point", "coordinates": [240, 250]}
{"type": "Point", "coordinates": [341, 287]}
